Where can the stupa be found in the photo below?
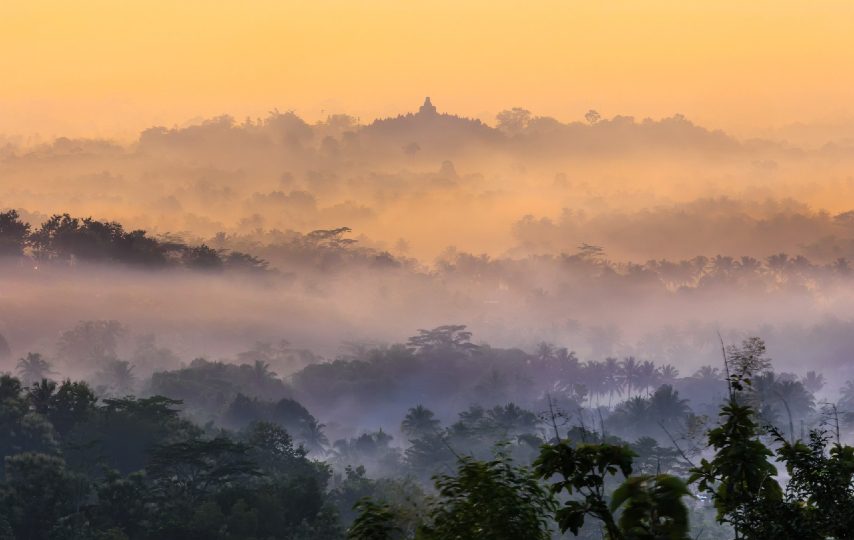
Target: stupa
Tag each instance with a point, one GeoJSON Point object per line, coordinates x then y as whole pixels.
{"type": "Point", "coordinates": [428, 108]}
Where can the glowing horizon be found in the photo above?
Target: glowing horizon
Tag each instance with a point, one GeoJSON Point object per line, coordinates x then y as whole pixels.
{"type": "Point", "coordinates": [107, 69]}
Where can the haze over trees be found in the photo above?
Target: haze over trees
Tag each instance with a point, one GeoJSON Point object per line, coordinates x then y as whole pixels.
{"type": "Point", "coordinates": [426, 327]}
{"type": "Point", "coordinates": [230, 450]}
{"type": "Point", "coordinates": [337, 218]}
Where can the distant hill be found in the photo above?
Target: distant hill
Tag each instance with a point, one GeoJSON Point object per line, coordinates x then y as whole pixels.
{"type": "Point", "coordinates": [430, 130]}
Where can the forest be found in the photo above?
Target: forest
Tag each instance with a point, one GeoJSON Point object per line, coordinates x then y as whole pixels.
{"type": "Point", "coordinates": [426, 270]}
{"type": "Point", "coordinates": [237, 331]}
{"type": "Point", "coordinates": [542, 446]}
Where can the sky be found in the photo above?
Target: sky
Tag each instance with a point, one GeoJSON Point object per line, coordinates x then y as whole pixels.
{"type": "Point", "coordinates": [659, 191]}
{"type": "Point", "coordinates": [106, 68]}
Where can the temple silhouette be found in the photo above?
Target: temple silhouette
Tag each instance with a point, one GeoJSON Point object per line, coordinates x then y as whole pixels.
{"type": "Point", "coordinates": [429, 130]}
{"type": "Point", "coordinates": [427, 108]}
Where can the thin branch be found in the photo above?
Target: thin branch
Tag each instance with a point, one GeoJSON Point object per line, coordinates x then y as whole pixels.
{"type": "Point", "coordinates": [836, 421]}
{"type": "Point", "coordinates": [676, 445]}
{"type": "Point", "coordinates": [552, 415]}
{"type": "Point", "coordinates": [789, 413]}
{"type": "Point", "coordinates": [451, 448]}
{"type": "Point", "coordinates": [583, 427]}
{"type": "Point", "coordinates": [726, 365]}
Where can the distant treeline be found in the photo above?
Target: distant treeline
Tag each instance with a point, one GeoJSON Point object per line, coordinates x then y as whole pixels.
{"type": "Point", "coordinates": [69, 239]}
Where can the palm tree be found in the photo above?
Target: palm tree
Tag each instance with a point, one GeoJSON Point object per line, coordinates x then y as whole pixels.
{"type": "Point", "coordinates": [647, 375]}
{"type": "Point", "coordinates": [312, 436]}
{"type": "Point", "coordinates": [722, 264]}
{"type": "Point", "coordinates": [593, 375]}
{"type": "Point", "coordinates": [40, 395]}
{"type": "Point", "coordinates": [613, 379]}
{"type": "Point", "coordinates": [667, 374]}
{"type": "Point", "coordinates": [418, 422]}
{"type": "Point", "coordinates": [762, 389]}
{"type": "Point", "coordinates": [545, 358]}
{"type": "Point", "coordinates": [667, 408]}
{"type": "Point", "coordinates": [708, 374]}
{"type": "Point", "coordinates": [262, 374]}
{"type": "Point", "coordinates": [33, 368]}
{"type": "Point", "coordinates": [774, 395]}
{"type": "Point", "coordinates": [813, 381]}
{"type": "Point", "coordinates": [629, 371]}
{"type": "Point", "coordinates": [510, 420]}
{"type": "Point", "coordinates": [567, 363]}
{"type": "Point", "coordinates": [748, 265]}
{"type": "Point", "coordinates": [580, 392]}
{"type": "Point", "coordinates": [119, 376]}
{"type": "Point", "coordinates": [632, 414]}
{"type": "Point", "coordinates": [797, 401]}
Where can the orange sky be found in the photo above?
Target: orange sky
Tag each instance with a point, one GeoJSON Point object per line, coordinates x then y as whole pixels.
{"type": "Point", "coordinates": [102, 67]}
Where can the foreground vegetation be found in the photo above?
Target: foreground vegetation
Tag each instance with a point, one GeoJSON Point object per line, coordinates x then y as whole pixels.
{"type": "Point", "coordinates": [81, 464]}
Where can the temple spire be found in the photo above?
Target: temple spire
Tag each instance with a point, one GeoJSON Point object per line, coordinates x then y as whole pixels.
{"type": "Point", "coordinates": [428, 107]}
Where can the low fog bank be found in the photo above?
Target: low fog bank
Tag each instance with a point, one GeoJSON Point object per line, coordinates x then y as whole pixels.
{"type": "Point", "coordinates": [665, 311]}
{"type": "Point", "coordinates": [365, 390]}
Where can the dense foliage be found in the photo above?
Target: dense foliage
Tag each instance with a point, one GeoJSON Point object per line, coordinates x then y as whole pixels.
{"type": "Point", "coordinates": [67, 239]}
{"type": "Point", "coordinates": [218, 450]}
{"type": "Point", "coordinates": [79, 467]}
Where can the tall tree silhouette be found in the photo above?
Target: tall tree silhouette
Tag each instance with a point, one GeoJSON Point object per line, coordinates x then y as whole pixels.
{"type": "Point", "coordinates": [419, 422]}
{"type": "Point", "coordinates": [13, 234]}
{"type": "Point", "coordinates": [33, 368]}
{"type": "Point", "coordinates": [629, 371]}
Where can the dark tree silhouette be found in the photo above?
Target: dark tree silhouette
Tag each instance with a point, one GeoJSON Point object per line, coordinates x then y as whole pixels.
{"type": "Point", "coordinates": [443, 338]}
{"type": "Point", "coordinates": [13, 234]}
{"type": "Point", "coordinates": [202, 258]}
{"type": "Point", "coordinates": [33, 368]}
{"type": "Point", "coordinates": [419, 422]}
{"type": "Point", "coordinates": [91, 343]}
{"type": "Point", "coordinates": [813, 381]}
{"type": "Point", "coordinates": [5, 350]}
